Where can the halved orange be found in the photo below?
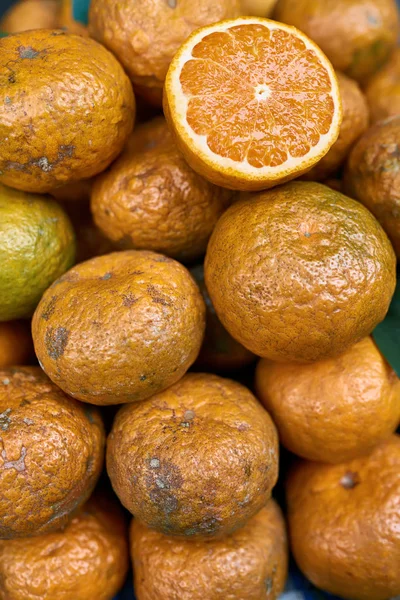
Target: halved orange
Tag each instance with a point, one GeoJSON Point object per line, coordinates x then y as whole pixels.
{"type": "Point", "coordinates": [253, 102]}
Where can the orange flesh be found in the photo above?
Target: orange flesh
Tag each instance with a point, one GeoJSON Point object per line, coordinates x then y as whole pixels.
{"type": "Point", "coordinates": [257, 94]}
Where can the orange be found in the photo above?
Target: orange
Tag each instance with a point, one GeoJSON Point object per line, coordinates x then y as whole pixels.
{"type": "Point", "coordinates": [356, 35]}
{"type": "Point", "coordinates": [257, 8]}
{"type": "Point", "coordinates": [309, 272]}
{"type": "Point", "coordinates": [249, 564]}
{"type": "Point", "coordinates": [373, 175]}
{"type": "Point", "coordinates": [119, 327]}
{"type": "Point", "coordinates": [355, 122]}
{"type": "Point", "coordinates": [344, 523]}
{"type": "Point", "coordinates": [335, 409]}
{"type": "Point", "coordinates": [51, 453]}
{"type": "Point", "coordinates": [30, 14]}
{"type": "Point", "coordinates": [383, 90]}
{"type": "Point", "coordinates": [257, 121]}
{"type": "Point", "coordinates": [78, 191]}
{"type": "Point", "coordinates": [145, 35]}
{"type": "Point", "coordinates": [67, 20]}
{"type": "Point", "coordinates": [197, 460]}
{"type": "Point", "coordinates": [15, 343]}
{"type": "Point", "coordinates": [150, 198]}
{"type": "Point", "coordinates": [48, 137]}
{"type": "Point", "coordinates": [87, 560]}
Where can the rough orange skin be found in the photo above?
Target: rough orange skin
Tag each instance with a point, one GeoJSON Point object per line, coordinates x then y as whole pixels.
{"type": "Point", "coordinates": [344, 523]}
{"type": "Point", "coordinates": [51, 453]}
{"type": "Point", "coordinates": [357, 36]}
{"type": "Point", "coordinates": [86, 560]}
{"type": "Point", "coordinates": [383, 90]}
{"type": "Point", "coordinates": [145, 35]}
{"type": "Point", "coordinates": [250, 563]}
{"type": "Point", "coordinates": [355, 122]}
{"type": "Point", "coordinates": [219, 351]}
{"type": "Point", "coordinates": [150, 198]}
{"type": "Point", "coordinates": [119, 327]}
{"type": "Point", "coordinates": [197, 460]}
{"type": "Point", "coordinates": [15, 343]}
{"type": "Point", "coordinates": [310, 273]}
{"type": "Point", "coordinates": [30, 14]}
{"type": "Point", "coordinates": [335, 409]}
{"type": "Point", "coordinates": [373, 175]}
{"type": "Point", "coordinates": [49, 137]}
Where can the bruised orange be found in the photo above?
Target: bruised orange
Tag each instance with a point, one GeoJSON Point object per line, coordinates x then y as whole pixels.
{"type": "Point", "coordinates": [252, 103]}
{"type": "Point", "coordinates": [250, 563]}
{"type": "Point", "coordinates": [197, 460]}
{"type": "Point", "coordinates": [30, 14]}
{"type": "Point", "coordinates": [119, 327]}
{"type": "Point", "coordinates": [88, 559]}
{"type": "Point", "coordinates": [48, 137]}
{"type": "Point", "coordinates": [335, 409]}
{"type": "Point", "coordinates": [383, 90]}
{"type": "Point", "coordinates": [344, 523]}
{"type": "Point", "coordinates": [15, 343]}
{"type": "Point", "coordinates": [51, 453]}
{"type": "Point", "coordinates": [299, 273]}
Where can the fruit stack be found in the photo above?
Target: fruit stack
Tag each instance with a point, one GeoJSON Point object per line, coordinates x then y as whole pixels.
{"type": "Point", "coordinates": [199, 223]}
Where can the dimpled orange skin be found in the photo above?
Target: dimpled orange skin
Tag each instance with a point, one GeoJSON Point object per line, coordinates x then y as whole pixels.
{"type": "Point", "coordinates": [145, 35]}
{"type": "Point", "coordinates": [150, 198]}
{"type": "Point", "coordinates": [49, 138]}
{"type": "Point", "coordinates": [119, 327]}
{"type": "Point", "coordinates": [86, 560]}
{"type": "Point", "coordinates": [357, 36]}
{"type": "Point", "coordinates": [311, 273]}
{"type": "Point", "coordinates": [197, 460]}
{"type": "Point", "coordinates": [30, 14]}
{"type": "Point", "coordinates": [51, 453]}
{"type": "Point", "coordinates": [344, 523]}
{"type": "Point", "coordinates": [219, 352]}
{"type": "Point", "coordinates": [355, 122]}
{"type": "Point", "coordinates": [15, 343]}
{"type": "Point", "coordinates": [335, 409]}
{"type": "Point", "coordinates": [251, 563]}
{"type": "Point", "coordinates": [372, 175]}
{"type": "Point", "coordinates": [383, 90]}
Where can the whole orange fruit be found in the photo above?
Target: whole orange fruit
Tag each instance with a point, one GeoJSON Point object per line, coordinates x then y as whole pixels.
{"type": "Point", "coordinates": [88, 559]}
{"type": "Point", "coordinates": [51, 453]}
{"type": "Point", "coordinates": [383, 90]}
{"type": "Point", "coordinates": [250, 563]}
{"type": "Point", "coordinates": [335, 409]}
{"type": "Point", "coordinates": [355, 122]}
{"type": "Point", "coordinates": [30, 14]}
{"type": "Point", "coordinates": [15, 343]}
{"type": "Point", "coordinates": [344, 523]}
{"type": "Point", "coordinates": [197, 460]}
{"type": "Point", "coordinates": [49, 137]}
{"type": "Point", "coordinates": [150, 198]}
{"type": "Point", "coordinates": [373, 175]}
{"type": "Point", "coordinates": [145, 35]}
{"type": "Point", "coordinates": [356, 35]}
{"type": "Point", "coordinates": [119, 327]}
{"type": "Point", "coordinates": [310, 272]}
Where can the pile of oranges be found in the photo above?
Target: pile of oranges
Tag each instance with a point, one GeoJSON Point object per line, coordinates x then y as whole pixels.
{"type": "Point", "coordinates": [179, 294]}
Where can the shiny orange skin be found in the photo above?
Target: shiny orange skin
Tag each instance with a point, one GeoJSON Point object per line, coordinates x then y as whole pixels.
{"type": "Point", "coordinates": [373, 175]}
{"type": "Point", "coordinates": [51, 453]}
{"type": "Point", "coordinates": [88, 559]}
{"type": "Point", "coordinates": [344, 523]}
{"type": "Point", "coordinates": [15, 343]}
{"type": "Point", "coordinates": [310, 273]}
{"type": "Point", "coordinates": [251, 563]}
{"type": "Point", "coordinates": [119, 327]}
{"type": "Point", "coordinates": [357, 36]}
{"type": "Point", "coordinates": [151, 199]}
{"type": "Point", "coordinates": [383, 90]}
{"type": "Point", "coordinates": [50, 139]}
{"type": "Point", "coordinates": [30, 14]}
{"type": "Point", "coordinates": [220, 351]}
{"type": "Point", "coordinates": [197, 460]}
{"type": "Point", "coordinates": [335, 409]}
{"type": "Point", "coordinates": [355, 122]}
{"type": "Point", "coordinates": [145, 35]}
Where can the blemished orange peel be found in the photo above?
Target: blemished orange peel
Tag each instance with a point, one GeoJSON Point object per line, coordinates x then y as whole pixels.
{"type": "Point", "coordinates": [253, 103]}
